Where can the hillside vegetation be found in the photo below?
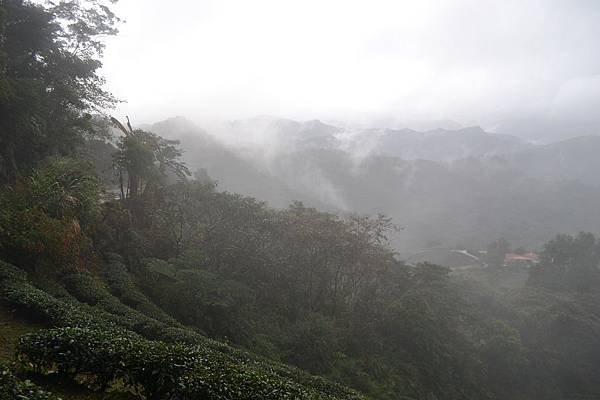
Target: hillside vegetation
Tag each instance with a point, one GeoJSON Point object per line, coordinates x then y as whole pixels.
{"type": "Point", "coordinates": [446, 188]}
{"type": "Point", "coordinates": [164, 287]}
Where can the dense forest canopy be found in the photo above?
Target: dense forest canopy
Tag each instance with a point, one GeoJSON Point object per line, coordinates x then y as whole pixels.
{"type": "Point", "coordinates": [173, 289]}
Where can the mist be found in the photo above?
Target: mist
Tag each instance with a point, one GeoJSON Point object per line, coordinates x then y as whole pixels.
{"type": "Point", "coordinates": [507, 66]}
{"type": "Point", "coordinates": [314, 102]}
{"type": "Point", "coordinates": [340, 200]}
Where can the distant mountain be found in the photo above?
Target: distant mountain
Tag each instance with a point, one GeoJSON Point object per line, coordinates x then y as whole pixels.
{"type": "Point", "coordinates": [575, 159]}
{"type": "Point", "coordinates": [446, 145]}
{"type": "Point", "coordinates": [203, 152]}
{"type": "Point", "coordinates": [447, 188]}
{"type": "Point", "coordinates": [544, 129]}
{"type": "Point", "coordinates": [399, 123]}
{"type": "Point", "coordinates": [277, 134]}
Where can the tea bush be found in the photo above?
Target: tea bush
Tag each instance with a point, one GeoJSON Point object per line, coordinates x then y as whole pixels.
{"type": "Point", "coordinates": [163, 371]}
{"type": "Point", "coordinates": [12, 388]}
{"type": "Point", "coordinates": [94, 341]}
{"type": "Point", "coordinates": [122, 285]}
{"type": "Point", "coordinates": [18, 292]}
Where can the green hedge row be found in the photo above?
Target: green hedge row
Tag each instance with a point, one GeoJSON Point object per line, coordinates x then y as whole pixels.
{"type": "Point", "coordinates": [122, 285]}
{"type": "Point", "coordinates": [85, 288]}
{"type": "Point", "coordinates": [12, 388]}
{"type": "Point", "coordinates": [123, 321]}
{"type": "Point", "coordinates": [161, 370]}
{"type": "Point", "coordinates": [17, 291]}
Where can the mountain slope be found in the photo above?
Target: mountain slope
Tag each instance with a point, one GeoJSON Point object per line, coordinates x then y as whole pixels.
{"type": "Point", "coordinates": [203, 152]}
{"type": "Point", "coordinates": [574, 159]}
{"type": "Point", "coordinates": [444, 145]}
{"type": "Point", "coordinates": [102, 338]}
{"type": "Point", "coordinates": [465, 187]}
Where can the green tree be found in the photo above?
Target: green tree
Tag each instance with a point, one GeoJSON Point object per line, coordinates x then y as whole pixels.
{"type": "Point", "coordinates": [49, 83]}
{"type": "Point", "coordinates": [44, 217]}
{"type": "Point", "coordinates": [569, 263]}
{"type": "Point", "coordinates": [504, 360]}
{"type": "Point", "coordinates": [144, 161]}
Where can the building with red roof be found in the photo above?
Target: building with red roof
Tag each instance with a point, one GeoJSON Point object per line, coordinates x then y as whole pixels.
{"type": "Point", "coordinates": [521, 260]}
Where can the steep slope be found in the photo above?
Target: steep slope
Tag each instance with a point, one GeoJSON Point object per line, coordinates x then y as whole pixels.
{"type": "Point", "coordinates": [464, 187]}
{"type": "Point", "coordinates": [470, 202]}
{"type": "Point", "coordinates": [205, 154]}
{"type": "Point", "coordinates": [573, 159]}
{"type": "Point", "coordinates": [102, 340]}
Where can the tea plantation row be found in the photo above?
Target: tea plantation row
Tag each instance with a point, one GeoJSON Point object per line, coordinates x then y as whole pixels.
{"type": "Point", "coordinates": [105, 340]}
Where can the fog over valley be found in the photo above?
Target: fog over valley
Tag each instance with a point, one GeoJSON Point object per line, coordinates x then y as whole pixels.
{"type": "Point", "coordinates": [299, 200]}
{"type": "Point", "coordinates": [456, 113]}
{"type": "Point", "coordinates": [463, 187]}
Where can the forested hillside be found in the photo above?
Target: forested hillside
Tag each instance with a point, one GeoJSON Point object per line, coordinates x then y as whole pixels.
{"type": "Point", "coordinates": [461, 188]}
{"type": "Point", "coordinates": [126, 277]}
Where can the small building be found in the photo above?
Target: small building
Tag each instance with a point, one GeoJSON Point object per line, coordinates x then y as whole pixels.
{"type": "Point", "coordinates": [521, 260]}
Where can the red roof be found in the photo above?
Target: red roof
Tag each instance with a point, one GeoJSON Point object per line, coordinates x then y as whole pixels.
{"type": "Point", "coordinates": [527, 257]}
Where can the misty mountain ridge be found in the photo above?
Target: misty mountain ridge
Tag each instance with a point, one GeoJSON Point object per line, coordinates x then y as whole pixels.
{"type": "Point", "coordinates": [440, 144]}
{"type": "Point", "coordinates": [265, 137]}
{"type": "Point", "coordinates": [446, 145]}
{"type": "Point", "coordinates": [545, 129]}
{"type": "Point", "coordinates": [206, 154]}
{"type": "Point", "coordinates": [462, 187]}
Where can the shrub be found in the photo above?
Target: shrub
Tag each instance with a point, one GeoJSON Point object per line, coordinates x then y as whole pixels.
{"type": "Point", "coordinates": [162, 370]}
{"type": "Point", "coordinates": [121, 285]}
{"type": "Point", "coordinates": [12, 388]}
{"type": "Point", "coordinates": [38, 304]}
{"type": "Point", "coordinates": [41, 217]}
{"type": "Point", "coordinates": [92, 339]}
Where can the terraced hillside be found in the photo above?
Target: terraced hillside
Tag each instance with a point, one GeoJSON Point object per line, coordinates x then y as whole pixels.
{"type": "Point", "coordinates": [80, 334]}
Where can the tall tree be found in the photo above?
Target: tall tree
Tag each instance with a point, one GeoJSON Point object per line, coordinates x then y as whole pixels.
{"type": "Point", "coordinates": [145, 160]}
{"type": "Point", "coordinates": [569, 263]}
{"type": "Point", "coordinates": [49, 82]}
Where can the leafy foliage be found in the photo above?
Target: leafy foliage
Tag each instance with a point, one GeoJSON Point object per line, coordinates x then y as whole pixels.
{"type": "Point", "coordinates": [313, 289]}
{"type": "Point", "coordinates": [12, 387]}
{"type": "Point", "coordinates": [41, 216]}
{"type": "Point", "coordinates": [130, 288]}
{"type": "Point", "coordinates": [49, 59]}
{"type": "Point", "coordinates": [144, 160]}
{"type": "Point", "coordinates": [119, 322]}
{"type": "Point", "coordinates": [569, 263]}
{"type": "Point", "coordinates": [164, 371]}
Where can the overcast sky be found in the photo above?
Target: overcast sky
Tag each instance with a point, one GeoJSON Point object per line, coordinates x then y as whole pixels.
{"type": "Point", "coordinates": [470, 61]}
